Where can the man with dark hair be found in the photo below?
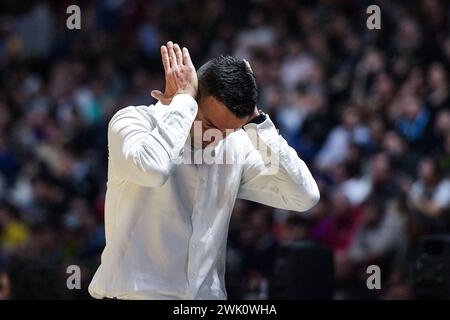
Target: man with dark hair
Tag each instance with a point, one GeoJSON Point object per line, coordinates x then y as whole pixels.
{"type": "Point", "coordinates": [231, 81]}
{"type": "Point", "coordinates": [166, 218]}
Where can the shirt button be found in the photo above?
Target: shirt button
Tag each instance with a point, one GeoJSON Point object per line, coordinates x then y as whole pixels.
{"type": "Point", "coordinates": [202, 180]}
{"type": "Point", "coordinates": [193, 246]}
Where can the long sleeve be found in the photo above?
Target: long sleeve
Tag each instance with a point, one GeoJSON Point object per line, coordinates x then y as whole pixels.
{"type": "Point", "coordinates": [273, 174]}
{"type": "Point", "coordinates": [143, 142]}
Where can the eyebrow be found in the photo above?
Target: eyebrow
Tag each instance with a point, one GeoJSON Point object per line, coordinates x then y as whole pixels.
{"type": "Point", "coordinates": [210, 122]}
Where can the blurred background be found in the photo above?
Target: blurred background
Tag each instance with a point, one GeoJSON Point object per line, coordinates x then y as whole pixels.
{"type": "Point", "coordinates": [368, 111]}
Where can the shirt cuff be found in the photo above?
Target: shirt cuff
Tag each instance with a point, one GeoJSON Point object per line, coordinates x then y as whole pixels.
{"type": "Point", "coordinates": [186, 103]}
{"type": "Point", "coordinates": [266, 124]}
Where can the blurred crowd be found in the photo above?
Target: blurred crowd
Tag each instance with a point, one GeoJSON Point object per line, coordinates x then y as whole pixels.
{"type": "Point", "coordinates": [368, 111]}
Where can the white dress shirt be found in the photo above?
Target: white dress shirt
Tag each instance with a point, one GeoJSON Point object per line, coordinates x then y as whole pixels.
{"type": "Point", "coordinates": [166, 220]}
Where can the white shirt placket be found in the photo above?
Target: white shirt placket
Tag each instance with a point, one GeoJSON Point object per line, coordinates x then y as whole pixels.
{"type": "Point", "coordinates": [192, 265]}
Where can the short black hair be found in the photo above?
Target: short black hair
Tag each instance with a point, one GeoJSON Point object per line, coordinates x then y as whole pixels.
{"type": "Point", "coordinates": [230, 81]}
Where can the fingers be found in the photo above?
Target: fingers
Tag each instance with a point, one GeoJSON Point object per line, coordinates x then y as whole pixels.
{"type": "Point", "coordinates": [248, 65]}
{"type": "Point", "coordinates": [172, 56]}
{"type": "Point", "coordinates": [178, 54]}
{"type": "Point", "coordinates": [165, 58]}
{"type": "Point", "coordinates": [186, 57]}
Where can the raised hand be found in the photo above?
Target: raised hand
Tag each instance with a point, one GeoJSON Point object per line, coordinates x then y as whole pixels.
{"type": "Point", "coordinates": [180, 73]}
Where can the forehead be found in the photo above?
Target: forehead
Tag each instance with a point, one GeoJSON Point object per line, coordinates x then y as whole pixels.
{"type": "Point", "coordinates": [219, 115]}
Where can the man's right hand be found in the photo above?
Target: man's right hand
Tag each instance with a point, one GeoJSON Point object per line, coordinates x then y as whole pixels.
{"type": "Point", "coordinates": [180, 73]}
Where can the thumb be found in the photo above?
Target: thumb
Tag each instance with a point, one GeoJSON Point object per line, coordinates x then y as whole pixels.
{"type": "Point", "coordinates": [157, 94]}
